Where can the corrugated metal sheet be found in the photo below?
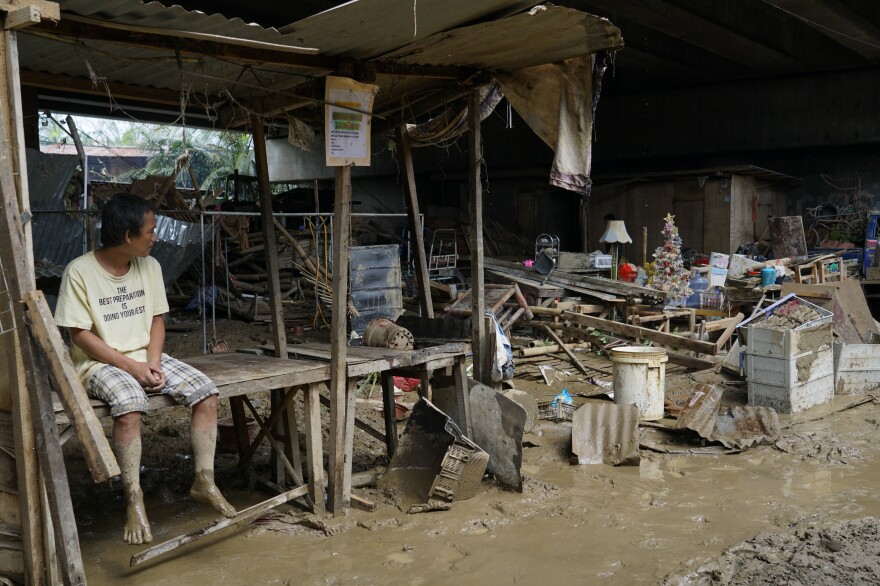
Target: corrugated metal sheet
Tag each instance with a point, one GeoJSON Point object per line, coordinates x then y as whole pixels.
{"type": "Point", "coordinates": [403, 32]}
{"type": "Point", "coordinates": [733, 426]}
{"type": "Point", "coordinates": [369, 28]}
{"type": "Point", "coordinates": [58, 236]}
{"type": "Point", "coordinates": [605, 433]}
{"type": "Point", "coordinates": [545, 34]}
{"type": "Point", "coordinates": [745, 426]}
{"type": "Point", "coordinates": [701, 410]}
{"type": "Point", "coordinates": [145, 67]}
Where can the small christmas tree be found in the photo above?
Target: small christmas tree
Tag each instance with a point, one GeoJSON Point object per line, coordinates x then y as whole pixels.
{"type": "Point", "coordinates": [669, 272]}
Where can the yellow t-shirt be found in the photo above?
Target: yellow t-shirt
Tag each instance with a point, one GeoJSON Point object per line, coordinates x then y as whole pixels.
{"type": "Point", "coordinates": [119, 310]}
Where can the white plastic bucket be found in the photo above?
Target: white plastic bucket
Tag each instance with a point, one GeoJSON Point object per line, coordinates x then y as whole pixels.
{"type": "Point", "coordinates": [640, 379]}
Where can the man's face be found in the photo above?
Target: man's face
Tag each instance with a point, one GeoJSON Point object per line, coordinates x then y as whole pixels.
{"type": "Point", "coordinates": [141, 244]}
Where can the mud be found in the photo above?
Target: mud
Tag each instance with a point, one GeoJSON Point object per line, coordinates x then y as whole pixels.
{"type": "Point", "coordinates": [671, 518]}
{"type": "Point", "coordinates": [790, 316]}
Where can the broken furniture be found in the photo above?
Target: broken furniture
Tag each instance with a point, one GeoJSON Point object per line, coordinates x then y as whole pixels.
{"type": "Point", "coordinates": [435, 463]}
{"type": "Point", "coordinates": [496, 300]}
{"type": "Point", "coordinates": [817, 271]}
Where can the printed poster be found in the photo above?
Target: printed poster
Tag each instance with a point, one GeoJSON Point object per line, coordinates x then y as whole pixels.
{"type": "Point", "coordinates": [347, 113]}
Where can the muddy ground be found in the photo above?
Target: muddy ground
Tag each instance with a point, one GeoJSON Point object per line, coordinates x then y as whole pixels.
{"type": "Point", "coordinates": [804, 511]}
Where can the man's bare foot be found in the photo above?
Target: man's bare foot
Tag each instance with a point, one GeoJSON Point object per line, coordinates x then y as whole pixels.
{"type": "Point", "coordinates": [137, 528]}
{"type": "Point", "coordinates": [204, 490]}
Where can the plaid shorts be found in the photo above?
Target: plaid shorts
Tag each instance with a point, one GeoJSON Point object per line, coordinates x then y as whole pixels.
{"type": "Point", "coordinates": [124, 393]}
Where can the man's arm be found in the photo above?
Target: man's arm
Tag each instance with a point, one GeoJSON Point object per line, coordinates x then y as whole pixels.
{"type": "Point", "coordinates": [154, 351]}
{"type": "Point", "coordinates": [99, 350]}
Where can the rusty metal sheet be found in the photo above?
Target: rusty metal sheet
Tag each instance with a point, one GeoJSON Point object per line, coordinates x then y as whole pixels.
{"type": "Point", "coordinates": [605, 433]}
{"type": "Point", "coordinates": [701, 410]}
{"type": "Point", "coordinates": [746, 426]}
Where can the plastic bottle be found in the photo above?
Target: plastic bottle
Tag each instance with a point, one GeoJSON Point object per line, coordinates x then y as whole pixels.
{"type": "Point", "coordinates": [698, 284]}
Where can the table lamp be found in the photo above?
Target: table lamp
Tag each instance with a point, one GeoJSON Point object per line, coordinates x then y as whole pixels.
{"type": "Point", "coordinates": [615, 235]}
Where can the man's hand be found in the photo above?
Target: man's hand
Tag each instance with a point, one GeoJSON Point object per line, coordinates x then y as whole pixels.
{"type": "Point", "coordinates": [157, 376]}
{"type": "Point", "coordinates": [148, 374]}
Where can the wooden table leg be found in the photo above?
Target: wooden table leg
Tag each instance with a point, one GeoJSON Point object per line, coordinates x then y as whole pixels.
{"type": "Point", "coordinates": [425, 387]}
{"type": "Point", "coordinates": [390, 413]}
{"type": "Point", "coordinates": [314, 446]}
{"type": "Point", "coordinates": [291, 433]}
{"type": "Point", "coordinates": [349, 441]}
{"type": "Point", "coordinates": [239, 421]}
{"type": "Point", "coordinates": [461, 396]}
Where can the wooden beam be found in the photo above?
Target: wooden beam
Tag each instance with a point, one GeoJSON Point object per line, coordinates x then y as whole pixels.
{"type": "Point", "coordinates": [47, 10]}
{"type": "Point", "coordinates": [99, 456]}
{"type": "Point", "coordinates": [836, 21]}
{"type": "Point", "coordinates": [22, 18]}
{"type": "Point", "coordinates": [570, 280]}
{"type": "Point", "coordinates": [245, 515]}
{"type": "Point", "coordinates": [415, 224]}
{"type": "Point", "coordinates": [83, 85]}
{"type": "Point", "coordinates": [337, 499]}
{"type": "Point", "coordinates": [479, 336]}
{"type": "Point", "coordinates": [567, 350]}
{"type": "Point", "coordinates": [637, 333]}
{"type": "Point", "coordinates": [692, 28]}
{"type": "Point", "coordinates": [725, 335]}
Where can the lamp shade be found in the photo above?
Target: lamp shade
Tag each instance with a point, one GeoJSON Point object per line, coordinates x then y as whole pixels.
{"type": "Point", "coordinates": [615, 232]}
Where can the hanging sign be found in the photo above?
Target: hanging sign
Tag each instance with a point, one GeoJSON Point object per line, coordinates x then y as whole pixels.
{"type": "Point", "coordinates": [348, 121]}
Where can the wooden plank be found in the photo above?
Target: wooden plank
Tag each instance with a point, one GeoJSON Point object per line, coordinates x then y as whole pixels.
{"type": "Point", "coordinates": [787, 236]}
{"type": "Point", "coordinates": [278, 332]}
{"type": "Point", "coordinates": [601, 285]}
{"type": "Point", "coordinates": [339, 341]}
{"type": "Point", "coordinates": [462, 403]}
{"type": "Point", "coordinates": [314, 450]}
{"type": "Point", "coordinates": [388, 411]}
{"type": "Point", "coordinates": [348, 458]}
{"type": "Point", "coordinates": [725, 335]}
{"type": "Point", "coordinates": [99, 457]}
{"type": "Point", "coordinates": [415, 224]}
{"type": "Point", "coordinates": [637, 332]}
{"type": "Point", "coordinates": [479, 337]}
{"type": "Point", "coordinates": [52, 466]}
{"type": "Point", "coordinates": [565, 349]}
{"type": "Point", "coordinates": [529, 286]}
{"type": "Point", "coordinates": [245, 515]}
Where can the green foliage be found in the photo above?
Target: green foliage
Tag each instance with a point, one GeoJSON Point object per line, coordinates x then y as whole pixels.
{"type": "Point", "coordinates": [214, 154]}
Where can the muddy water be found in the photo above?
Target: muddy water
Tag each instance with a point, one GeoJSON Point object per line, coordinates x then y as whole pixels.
{"type": "Point", "coordinates": [572, 524]}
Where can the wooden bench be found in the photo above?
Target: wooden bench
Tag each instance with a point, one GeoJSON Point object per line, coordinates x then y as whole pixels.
{"type": "Point", "coordinates": [236, 375]}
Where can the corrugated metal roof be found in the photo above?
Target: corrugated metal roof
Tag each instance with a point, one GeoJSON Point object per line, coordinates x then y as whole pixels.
{"type": "Point", "coordinates": [545, 34]}
{"type": "Point", "coordinates": [369, 28]}
{"type": "Point", "coordinates": [399, 32]}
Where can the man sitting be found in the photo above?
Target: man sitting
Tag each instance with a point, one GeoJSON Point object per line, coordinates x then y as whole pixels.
{"type": "Point", "coordinates": [112, 301]}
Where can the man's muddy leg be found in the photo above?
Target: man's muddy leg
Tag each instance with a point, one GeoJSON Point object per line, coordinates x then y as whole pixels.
{"type": "Point", "coordinates": [204, 441]}
{"type": "Point", "coordinates": [127, 447]}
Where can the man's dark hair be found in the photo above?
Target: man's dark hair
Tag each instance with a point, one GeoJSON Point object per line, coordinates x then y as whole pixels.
{"type": "Point", "coordinates": [123, 213]}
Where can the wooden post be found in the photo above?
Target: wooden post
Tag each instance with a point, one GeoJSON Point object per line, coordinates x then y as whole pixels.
{"type": "Point", "coordinates": [478, 290]}
{"type": "Point", "coordinates": [314, 453]}
{"type": "Point", "coordinates": [338, 500]}
{"type": "Point", "coordinates": [22, 507]}
{"type": "Point", "coordinates": [388, 411]}
{"type": "Point", "coordinates": [279, 337]}
{"type": "Point", "coordinates": [14, 133]}
{"type": "Point", "coordinates": [415, 224]}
